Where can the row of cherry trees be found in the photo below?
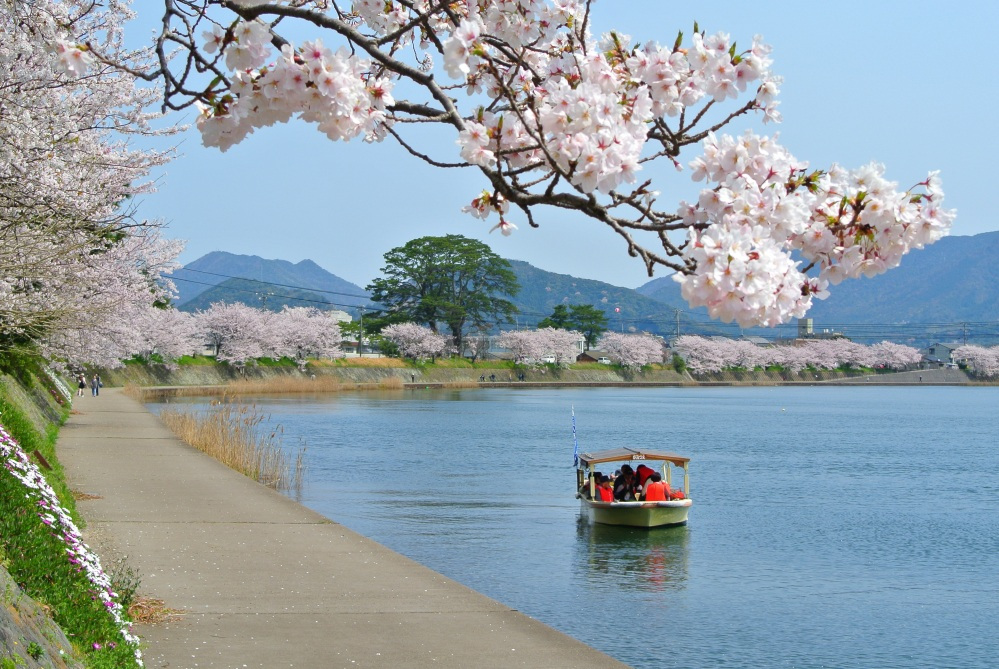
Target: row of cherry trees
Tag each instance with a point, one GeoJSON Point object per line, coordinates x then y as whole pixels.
{"type": "Point", "coordinates": [529, 347]}
{"type": "Point", "coordinates": [239, 333]}
{"type": "Point", "coordinates": [705, 355]}
{"type": "Point", "coordinates": [78, 270]}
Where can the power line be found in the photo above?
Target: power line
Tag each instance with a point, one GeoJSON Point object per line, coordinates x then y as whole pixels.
{"type": "Point", "coordinates": [269, 283]}
{"type": "Point", "coordinates": [667, 319]}
{"type": "Point", "coordinates": [257, 293]}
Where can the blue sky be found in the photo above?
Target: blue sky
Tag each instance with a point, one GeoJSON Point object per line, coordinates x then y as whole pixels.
{"type": "Point", "coordinates": [910, 84]}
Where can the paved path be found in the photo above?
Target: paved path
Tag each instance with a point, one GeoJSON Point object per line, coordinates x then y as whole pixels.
{"type": "Point", "coordinates": [265, 582]}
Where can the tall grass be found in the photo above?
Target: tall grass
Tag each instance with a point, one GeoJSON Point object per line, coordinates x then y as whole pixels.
{"type": "Point", "coordinates": [236, 435]}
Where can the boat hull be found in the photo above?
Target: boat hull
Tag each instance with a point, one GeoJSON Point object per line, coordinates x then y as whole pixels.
{"type": "Point", "coordinates": [636, 514]}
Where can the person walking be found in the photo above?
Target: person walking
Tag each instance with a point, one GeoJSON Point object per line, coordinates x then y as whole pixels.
{"type": "Point", "coordinates": [81, 383]}
{"type": "Point", "coordinates": [95, 385]}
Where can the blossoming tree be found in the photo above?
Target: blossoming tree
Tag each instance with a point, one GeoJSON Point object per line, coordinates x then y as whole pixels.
{"type": "Point", "coordinates": [170, 334]}
{"type": "Point", "coordinates": [237, 332]}
{"type": "Point", "coordinates": [534, 347]}
{"type": "Point", "coordinates": [301, 333]}
{"type": "Point", "coordinates": [415, 341]}
{"type": "Point", "coordinates": [705, 355]}
{"type": "Point", "coordinates": [76, 266]}
{"type": "Point", "coordinates": [633, 350]}
{"type": "Point", "coordinates": [983, 360]}
{"type": "Point", "coordinates": [553, 116]}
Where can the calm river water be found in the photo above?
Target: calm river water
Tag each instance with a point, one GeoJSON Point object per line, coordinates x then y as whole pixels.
{"type": "Point", "coordinates": [831, 527]}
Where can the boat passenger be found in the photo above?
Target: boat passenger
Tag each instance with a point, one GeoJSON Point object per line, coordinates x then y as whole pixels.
{"type": "Point", "coordinates": [584, 490]}
{"type": "Point", "coordinates": [605, 492]}
{"type": "Point", "coordinates": [656, 490]}
{"type": "Point", "coordinates": [624, 485]}
{"type": "Point", "coordinates": [642, 475]}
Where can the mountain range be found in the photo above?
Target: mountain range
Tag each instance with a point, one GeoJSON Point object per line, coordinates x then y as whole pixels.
{"type": "Point", "coordinates": [270, 284]}
{"type": "Point", "coordinates": [945, 292]}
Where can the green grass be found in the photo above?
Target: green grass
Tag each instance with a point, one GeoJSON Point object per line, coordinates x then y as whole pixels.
{"type": "Point", "coordinates": [31, 551]}
{"type": "Point", "coordinates": [196, 360]}
{"type": "Point", "coordinates": [271, 362]}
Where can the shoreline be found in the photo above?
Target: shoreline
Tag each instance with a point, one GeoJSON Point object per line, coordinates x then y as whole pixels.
{"type": "Point", "coordinates": [262, 581]}
{"type": "Point", "coordinates": [220, 379]}
{"type": "Point", "coordinates": [913, 379]}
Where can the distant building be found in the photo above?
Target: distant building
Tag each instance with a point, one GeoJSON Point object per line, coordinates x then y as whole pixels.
{"type": "Point", "coordinates": [806, 330]}
{"type": "Point", "coordinates": [592, 355]}
{"type": "Point", "coordinates": [940, 354]}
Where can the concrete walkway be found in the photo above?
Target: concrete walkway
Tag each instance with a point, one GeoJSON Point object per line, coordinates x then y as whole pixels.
{"type": "Point", "coordinates": [265, 582]}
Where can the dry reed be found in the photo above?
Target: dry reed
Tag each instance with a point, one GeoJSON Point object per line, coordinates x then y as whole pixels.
{"type": "Point", "coordinates": [461, 384]}
{"type": "Point", "coordinates": [289, 385]}
{"type": "Point", "coordinates": [235, 434]}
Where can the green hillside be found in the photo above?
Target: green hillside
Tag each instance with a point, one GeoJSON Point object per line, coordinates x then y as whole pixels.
{"type": "Point", "coordinates": [261, 296]}
{"type": "Point", "coordinates": [259, 282]}
{"type": "Point", "coordinates": [948, 291]}
{"type": "Point", "coordinates": [540, 291]}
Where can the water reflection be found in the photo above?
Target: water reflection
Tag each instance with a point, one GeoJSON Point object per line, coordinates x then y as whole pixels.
{"type": "Point", "coordinates": [637, 559]}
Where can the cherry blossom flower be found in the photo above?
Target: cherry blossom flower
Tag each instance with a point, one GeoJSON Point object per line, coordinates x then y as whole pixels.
{"type": "Point", "coordinates": [552, 114]}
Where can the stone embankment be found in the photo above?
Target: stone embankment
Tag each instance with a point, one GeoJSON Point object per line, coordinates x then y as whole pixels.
{"type": "Point", "coordinates": [592, 375]}
{"type": "Point", "coordinates": [208, 375]}
{"type": "Point", "coordinates": [28, 636]}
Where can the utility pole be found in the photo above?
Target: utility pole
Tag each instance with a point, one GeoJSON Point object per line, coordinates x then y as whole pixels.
{"type": "Point", "coordinates": [678, 312]}
{"type": "Point", "coordinates": [360, 331]}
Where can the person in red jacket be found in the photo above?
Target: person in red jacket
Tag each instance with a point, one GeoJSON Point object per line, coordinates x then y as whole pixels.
{"type": "Point", "coordinates": [656, 490]}
{"type": "Point", "coordinates": [605, 489]}
{"type": "Point", "coordinates": [642, 475]}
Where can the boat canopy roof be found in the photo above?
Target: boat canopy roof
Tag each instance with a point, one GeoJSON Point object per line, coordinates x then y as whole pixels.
{"type": "Point", "coordinates": [626, 453]}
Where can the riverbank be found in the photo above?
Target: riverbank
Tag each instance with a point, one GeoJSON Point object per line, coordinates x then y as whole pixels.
{"type": "Point", "coordinates": [391, 373]}
{"type": "Point", "coordinates": [260, 581]}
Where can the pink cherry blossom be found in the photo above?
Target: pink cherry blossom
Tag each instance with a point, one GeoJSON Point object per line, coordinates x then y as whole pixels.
{"type": "Point", "coordinates": [416, 341]}
{"type": "Point", "coordinates": [535, 347]}
{"type": "Point", "coordinates": [982, 360]}
{"type": "Point", "coordinates": [552, 114]}
{"type": "Point", "coordinates": [632, 350]}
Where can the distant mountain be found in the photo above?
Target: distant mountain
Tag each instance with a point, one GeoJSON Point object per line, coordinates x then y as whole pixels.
{"type": "Point", "coordinates": [935, 292]}
{"type": "Point", "coordinates": [256, 294]}
{"type": "Point", "coordinates": [540, 291]}
{"type": "Point", "coordinates": [227, 277]}
{"type": "Point", "coordinates": [955, 279]}
{"type": "Point", "coordinates": [942, 293]}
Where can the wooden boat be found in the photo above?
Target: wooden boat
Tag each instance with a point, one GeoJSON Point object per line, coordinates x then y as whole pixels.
{"type": "Point", "coordinates": [633, 514]}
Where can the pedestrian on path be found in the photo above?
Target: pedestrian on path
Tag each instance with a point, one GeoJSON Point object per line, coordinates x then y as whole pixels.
{"type": "Point", "coordinates": [95, 385]}
{"type": "Point", "coordinates": [81, 383]}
